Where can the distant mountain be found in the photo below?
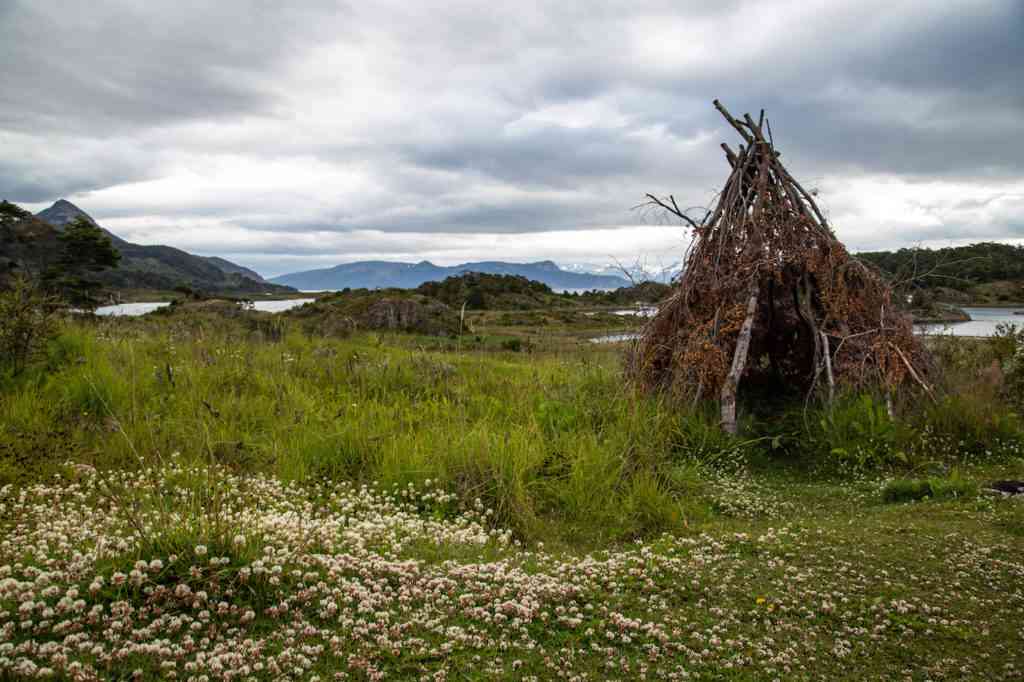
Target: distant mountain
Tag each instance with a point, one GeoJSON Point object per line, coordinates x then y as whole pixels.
{"type": "Point", "coordinates": [384, 274]}
{"type": "Point", "coordinates": [640, 272]}
{"type": "Point", "coordinates": [163, 268]}
{"type": "Point", "coordinates": [63, 212]}
{"type": "Point", "coordinates": [229, 267]}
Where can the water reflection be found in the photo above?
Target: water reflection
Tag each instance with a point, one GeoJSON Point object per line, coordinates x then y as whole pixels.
{"type": "Point", "coordinates": [132, 309]}
{"type": "Point", "coordinates": [281, 306]}
{"type": "Point", "coordinates": [983, 322]}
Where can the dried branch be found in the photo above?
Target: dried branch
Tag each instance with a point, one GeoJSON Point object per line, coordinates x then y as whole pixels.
{"type": "Point", "coordinates": [765, 276]}
{"type": "Point", "coordinates": [673, 208]}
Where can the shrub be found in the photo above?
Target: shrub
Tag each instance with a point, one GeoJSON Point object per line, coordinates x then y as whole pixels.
{"type": "Point", "coordinates": [910, 490]}
{"type": "Point", "coordinates": [27, 323]}
{"type": "Point", "coordinates": [1015, 379]}
{"type": "Point", "coordinates": [513, 345]}
{"type": "Point", "coordinates": [698, 437]}
{"type": "Point", "coordinates": [858, 432]}
{"type": "Point", "coordinates": [1009, 338]}
{"type": "Point", "coordinates": [1006, 342]}
{"type": "Point", "coordinates": [966, 423]}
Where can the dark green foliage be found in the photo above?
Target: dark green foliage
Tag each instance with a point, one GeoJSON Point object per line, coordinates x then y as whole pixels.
{"type": "Point", "coordinates": [85, 251]}
{"type": "Point", "coordinates": [644, 292]}
{"type": "Point", "coordinates": [382, 309]}
{"type": "Point", "coordinates": [479, 291]}
{"type": "Point", "coordinates": [958, 268]}
{"type": "Point", "coordinates": [28, 246]}
{"type": "Point", "coordinates": [11, 213]}
{"type": "Point", "coordinates": [27, 322]}
{"type": "Point", "coordinates": [516, 345]}
{"type": "Point", "coordinates": [911, 490]}
{"type": "Point", "coordinates": [858, 432]}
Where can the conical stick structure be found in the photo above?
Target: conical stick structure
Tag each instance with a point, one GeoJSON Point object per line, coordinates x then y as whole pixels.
{"type": "Point", "coordinates": [770, 299]}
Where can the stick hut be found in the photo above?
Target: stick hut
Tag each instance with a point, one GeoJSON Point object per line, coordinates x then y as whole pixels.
{"type": "Point", "coordinates": [770, 298]}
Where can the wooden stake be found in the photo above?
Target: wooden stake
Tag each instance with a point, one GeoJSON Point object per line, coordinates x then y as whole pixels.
{"type": "Point", "coordinates": [739, 361]}
{"type": "Point", "coordinates": [913, 372]}
{"type": "Point", "coordinates": [828, 369]}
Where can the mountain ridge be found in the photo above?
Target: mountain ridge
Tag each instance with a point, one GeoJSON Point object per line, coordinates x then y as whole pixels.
{"type": "Point", "coordinates": [378, 274]}
{"type": "Point", "coordinates": [164, 268]}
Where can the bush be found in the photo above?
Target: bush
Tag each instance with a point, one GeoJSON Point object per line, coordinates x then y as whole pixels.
{"type": "Point", "coordinates": [516, 345]}
{"type": "Point", "coordinates": [1006, 342]}
{"type": "Point", "coordinates": [698, 437]}
{"type": "Point", "coordinates": [27, 323]}
{"type": "Point", "coordinates": [965, 424]}
{"type": "Point", "coordinates": [910, 490]}
{"type": "Point", "coordinates": [1009, 342]}
{"type": "Point", "coordinates": [859, 432]}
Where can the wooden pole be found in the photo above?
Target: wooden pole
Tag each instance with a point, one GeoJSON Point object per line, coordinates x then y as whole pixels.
{"type": "Point", "coordinates": [828, 369]}
{"type": "Point", "coordinates": [739, 361]}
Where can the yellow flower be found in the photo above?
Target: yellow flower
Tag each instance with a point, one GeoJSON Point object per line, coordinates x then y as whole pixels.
{"type": "Point", "coordinates": [761, 600]}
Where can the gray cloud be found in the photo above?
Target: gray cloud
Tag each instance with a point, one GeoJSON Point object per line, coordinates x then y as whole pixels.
{"type": "Point", "coordinates": [460, 121]}
{"type": "Point", "coordinates": [111, 67]}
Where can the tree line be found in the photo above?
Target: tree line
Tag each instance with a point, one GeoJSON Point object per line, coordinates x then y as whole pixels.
{"type": "Point", "coordinates": [954, 267]}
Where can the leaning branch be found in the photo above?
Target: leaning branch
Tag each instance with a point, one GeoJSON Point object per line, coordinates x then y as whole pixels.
{"type": "Point", "coordinates": [672, 208]}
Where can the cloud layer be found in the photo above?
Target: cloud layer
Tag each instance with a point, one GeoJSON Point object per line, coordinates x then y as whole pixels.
{"type": "Point", "coordinates": [288, 138]}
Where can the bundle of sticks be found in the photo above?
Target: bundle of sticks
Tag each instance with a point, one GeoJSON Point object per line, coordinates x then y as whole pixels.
{"type": "Point", "coordinates": [766, 278]}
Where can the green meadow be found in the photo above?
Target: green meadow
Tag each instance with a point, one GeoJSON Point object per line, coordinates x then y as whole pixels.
{"type": "Point", "coordinates": [209, 496]}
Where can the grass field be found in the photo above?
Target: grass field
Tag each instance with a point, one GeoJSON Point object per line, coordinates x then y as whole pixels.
{"type": "Point", "coordinates": [197, 498]}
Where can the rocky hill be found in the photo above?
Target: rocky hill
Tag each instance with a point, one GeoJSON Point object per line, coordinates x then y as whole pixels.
{"type": "Point", "coordinates": [380, 309]}
{"type": "Point", "coordinates": [150, 267]}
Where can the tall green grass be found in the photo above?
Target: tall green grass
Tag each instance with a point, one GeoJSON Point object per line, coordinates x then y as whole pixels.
{"type": "Point", "coordinates": [541, 441]}
{"type": "Point", "coordinates": [548, 441]}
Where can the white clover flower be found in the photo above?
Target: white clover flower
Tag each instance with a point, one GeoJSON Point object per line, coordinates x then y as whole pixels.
{"type": "Point", "coordinates": [200, 550]}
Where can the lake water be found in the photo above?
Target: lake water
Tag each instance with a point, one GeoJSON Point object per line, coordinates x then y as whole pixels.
{"type": "Point", "coordinates": [642, 311]}
{"type": "Point", "coordinates": [615, 338]}
{"type": "Point", "coordinates": [983, 323]}
{"type": "Point", "coordinates": [132, 309]}
{"type": "Point", "coordinates": [281, 306]}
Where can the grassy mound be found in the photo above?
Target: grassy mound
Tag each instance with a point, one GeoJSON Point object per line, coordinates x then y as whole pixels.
{"type": "Point", "coordinates": [382, 310]}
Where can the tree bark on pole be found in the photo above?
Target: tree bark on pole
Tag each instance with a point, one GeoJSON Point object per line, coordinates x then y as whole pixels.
{"type": "Point", "coordinates": [739, 361]}
{"type": "Point", "coordinates": [828, 368]}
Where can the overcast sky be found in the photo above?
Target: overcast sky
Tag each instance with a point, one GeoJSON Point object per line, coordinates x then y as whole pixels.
{"type": "Point", "coordinates": [286, 139]}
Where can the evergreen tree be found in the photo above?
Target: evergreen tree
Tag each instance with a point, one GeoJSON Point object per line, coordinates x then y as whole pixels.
{"type": "Point", "coordinates": [11, 213]}
{"type": "Point", "coordinates": [84, 250]}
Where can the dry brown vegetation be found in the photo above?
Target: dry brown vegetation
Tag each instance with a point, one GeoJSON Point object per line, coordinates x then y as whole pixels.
{"type": "Point", "coordinates": [770, 297]}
